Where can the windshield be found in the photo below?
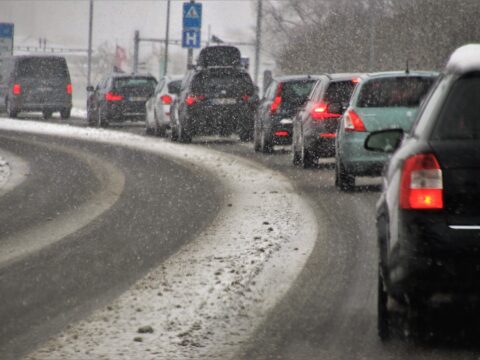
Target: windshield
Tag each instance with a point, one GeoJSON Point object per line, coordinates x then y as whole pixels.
{"type": "Point", "coordinates": [394, 92]}
{"type": "Point", "coordinates": [42, 68]}
{"type": "Point", "coordinates": [122, 83]}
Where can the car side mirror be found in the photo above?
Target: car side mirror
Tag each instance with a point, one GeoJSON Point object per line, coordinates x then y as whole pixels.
{"type": "Point", "coordinates": [335, 108]}
{"type": "Point", "coordinates": [386, 141]}
{"type": "Point", "coordinates": [90, 88]}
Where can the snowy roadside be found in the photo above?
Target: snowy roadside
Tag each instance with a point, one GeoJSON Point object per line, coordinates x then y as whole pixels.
{"type": "Point", "coordinates": [79, 113]}
{"type": "Point", "coordinates": [4, 171]}
{"type": "Point", "coordinates": [209, 297]}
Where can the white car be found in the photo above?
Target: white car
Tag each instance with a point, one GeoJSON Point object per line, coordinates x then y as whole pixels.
{"type": "Point", "coordinates": [157, 116]}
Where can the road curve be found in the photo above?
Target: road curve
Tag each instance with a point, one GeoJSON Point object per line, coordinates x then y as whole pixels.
{"type": "Point", "coordinates": [162, 206]}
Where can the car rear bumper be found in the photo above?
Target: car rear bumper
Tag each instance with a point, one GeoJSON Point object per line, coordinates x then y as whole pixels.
{"type": "Point", "coordinates": [434, 257]}
{"type": "Point", "coordinates": [26, 105]}
{"type": "Point", "coordinates": [125, 111]}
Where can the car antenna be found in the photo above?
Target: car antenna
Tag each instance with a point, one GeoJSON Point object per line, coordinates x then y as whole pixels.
{"type": "Point", "coordinates": [407, 70]}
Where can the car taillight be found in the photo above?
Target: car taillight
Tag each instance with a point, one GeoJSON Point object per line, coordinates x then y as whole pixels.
{"type": "Point", "coordinates": [110, 96]}
{"type": "Point", "coordinates": [320, 112]}
{"type": "Point", "coordinates": [353, 122]}
{"type": "Point", "coordinates": [245, 98]}
{"type": "Point", "coordinates": [277, 100]}
{"type": "Point", "coordinates": [69, 89]}
{"type": "Point", "coordinates": [421, 185]}
{"type": "Point", "coordinates": [166, 99]}
{"type": "Point", "coordinates": [192, 99]}
{"type": "Point", "coordinates": [17, 89]}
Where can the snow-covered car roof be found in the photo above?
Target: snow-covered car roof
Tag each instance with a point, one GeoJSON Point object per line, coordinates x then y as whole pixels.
{"type": "Point", "coordinates": [464, 59]}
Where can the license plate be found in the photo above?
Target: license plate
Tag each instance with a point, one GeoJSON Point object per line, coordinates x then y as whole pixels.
{"type": "Point", "coordinates": [138, 98]}
{"type": "Point", "coordinates": [223, 101]}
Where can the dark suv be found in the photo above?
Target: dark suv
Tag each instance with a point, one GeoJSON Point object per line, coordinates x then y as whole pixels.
{"type": "Point", "coordinates": [428, 216]}
{"type": "Point", "coordinates": [119, 97]}
{"type": "Point", "coordinates": [216, 98]}
{"type": "Point", "coordinates": [277, 109]}
{"type": "Point", "coordinates": [35, 83]}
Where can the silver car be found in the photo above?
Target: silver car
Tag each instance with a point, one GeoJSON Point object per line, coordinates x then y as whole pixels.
{"type": "Point", "coordinates": [157, 116]}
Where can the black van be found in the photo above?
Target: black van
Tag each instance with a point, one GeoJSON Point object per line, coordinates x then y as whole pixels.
{"type": "Point", "coordinates": [35, 83]}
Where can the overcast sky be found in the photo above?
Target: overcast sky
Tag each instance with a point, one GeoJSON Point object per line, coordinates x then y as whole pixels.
{"type": "Point", "coordinates": [65, 22]}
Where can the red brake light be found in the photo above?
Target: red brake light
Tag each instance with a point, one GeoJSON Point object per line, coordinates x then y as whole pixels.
{"type": "Point", "coordinates": [320, 112]}
{"type": "Point", "coordinates": [281, 133]}
{"type": "Point", "coordinates": [192, 99]}
{"type": "Point", "coordinates": [166, 99]}
{"type": "Point", "coordinates": [69, 89]}
{"type": "Point", "coordinates": [277, 101]}
{"type": "Point", "coordinates": [356, 80]}
{"type": "Point", "coordinates": [353, 122]}
{"type": "Point", "coordinates": [421, 186]}
{"type": "Point", "coordinates": [17, 89]}
{"type": "Point", "coordinates": [245, 98]}
{"type": "Point", "coordinates": [110, 96]}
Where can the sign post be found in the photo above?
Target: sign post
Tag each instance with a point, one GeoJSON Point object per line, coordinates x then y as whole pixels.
{"type": "Point", "coordinates": [6, 39]}
{"type": "Point", "coordinates": [192, 26]}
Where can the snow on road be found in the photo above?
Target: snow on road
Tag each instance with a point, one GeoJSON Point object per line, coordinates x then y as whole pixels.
{"type": "Point", "coordinates": [206, 299]}
{"type": "Point", "coordinates": [4, 171]}
{"type": "Point", "coordinates": [13, 170]}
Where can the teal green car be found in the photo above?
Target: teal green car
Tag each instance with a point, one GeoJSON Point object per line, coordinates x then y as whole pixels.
{"type": "Point", "coordinates": [380, 101]}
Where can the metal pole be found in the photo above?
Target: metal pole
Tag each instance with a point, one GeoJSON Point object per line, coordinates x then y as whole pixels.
{"type": "Point", "coordinates": [136, 41]}
{"type": "Point", "coordinates": [190, 50]}
{"type": "Point", "coordinates": [167, 38]}
{"type": "Point", "coordinates": [258, 41]}
{"type": "Point", "coordinates": [90, 30]}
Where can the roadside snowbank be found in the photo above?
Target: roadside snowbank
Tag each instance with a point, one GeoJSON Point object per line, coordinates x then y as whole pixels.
{"type": "Point", "coordinates": [205, 300]}
{"type": "Point", "coordinates": [4, 171]}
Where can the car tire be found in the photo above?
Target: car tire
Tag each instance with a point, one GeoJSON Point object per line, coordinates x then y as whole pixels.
{"type": "Point", "coordinates": [266, 145]}
{"type": "Point", "coordinates": [160, 131]}
{"type": "Point", "coordinates": [343, 180]}
{"type": "Point", "coordinates": [65, 113]}
{"type": "Point", "coordinates": [47, 114]}
{"type": "Point", "coordinates": [102, 121]}
{"type": "Point", "coordinates": [183, 136]}
{"type": "Point", "coordinates": [383, 316]}
{"type": "Point", "coordinates": [11, 111]}
{"type": "Point", "coordinates": [245, 135]}
{"type": "Point", "coordinates": [256, 140]}
{"type": "Point", "coordinates": [307, 160]}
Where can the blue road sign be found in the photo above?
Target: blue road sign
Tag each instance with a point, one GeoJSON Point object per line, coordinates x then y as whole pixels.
{"type": "Point", "coordinates": [191, 38]}
{"type": "Point", "coordinates": [6, 30]}
{"type": "Point", "coordinates": [192, 16]}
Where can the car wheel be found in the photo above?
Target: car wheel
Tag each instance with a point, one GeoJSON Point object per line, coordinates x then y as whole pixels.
{"type": "Point", "coordinates": [256, 140]}
{"type": "Point", "coordinates": [245, 135]}
{"type": "Point", "coordinates": [183, 136]}
{"type": "Point", "coordinates": [343, 180]}
{"type": "Point", "coordinates": [307, 160]}
{"type": "Point", "coordinates": [65, 113]}
{"type": "Point", "coordinates": [101, 119]}
{"type": "Point", "coordinates": [47, 114]}
{"type": "Point", "coordinates": [383, 321]}
{"type": "Point", "coordinates": [11, 111]}
{"type": "Point", "coordinates": [266, 145]}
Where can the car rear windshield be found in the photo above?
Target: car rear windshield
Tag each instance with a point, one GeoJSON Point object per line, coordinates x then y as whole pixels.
{"type": "Point", "coordinates": [139, 82]}
{"type": "Point", "coordinates": [394, 91]}
{"type": "Point", "coordinates": [459, 118]}
{"type": "Point", "coordinates": [296, 92]}
{"type": "Point", "coordinates": [339, 92]}
{"type": "Point", "coordinates": [42, 68]}
{"type": "Point", "coordinates": [222, 84]}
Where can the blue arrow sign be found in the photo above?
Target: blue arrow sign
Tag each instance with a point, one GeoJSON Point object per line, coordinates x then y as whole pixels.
{"type": "Point", "coordinates": [192, 16]}
{"type": "Point", "coordinates": [191, 38]}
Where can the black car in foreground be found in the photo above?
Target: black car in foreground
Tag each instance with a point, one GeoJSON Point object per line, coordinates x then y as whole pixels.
{"type": "Point", "coordinates": [119, 97]}
{"type": "Point", "coordinates": [216, 98]}
{"type": "Point", "coordinates": [35, 83]}
{"type": "Point", "coordinates": [428, 216]}
{"type": "Point", "coordinates": [279, 105]}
